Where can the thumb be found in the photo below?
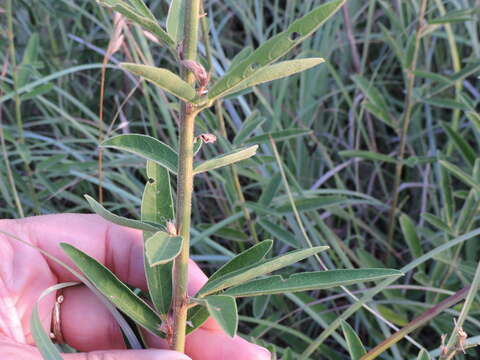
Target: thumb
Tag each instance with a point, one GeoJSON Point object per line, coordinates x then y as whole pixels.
{"type": "Point", "coordinates": [10, 350]}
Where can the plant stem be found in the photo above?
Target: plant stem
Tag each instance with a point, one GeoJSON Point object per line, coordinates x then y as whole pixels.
{"type": "Point", "coordinates": [409, 102]}
{"type": "Point", "coordinates": [185, 183]}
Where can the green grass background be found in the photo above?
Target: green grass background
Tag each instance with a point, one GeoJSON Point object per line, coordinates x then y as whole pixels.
{"type": "Point", "coordinates": [337, 129]}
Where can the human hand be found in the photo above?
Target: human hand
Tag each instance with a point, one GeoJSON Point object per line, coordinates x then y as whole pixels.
{"type": "Point", "coordinates": [86, 324]}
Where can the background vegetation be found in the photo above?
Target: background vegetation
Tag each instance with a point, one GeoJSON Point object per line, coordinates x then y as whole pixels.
{"type": "Point", "coordinates": [389, 122]}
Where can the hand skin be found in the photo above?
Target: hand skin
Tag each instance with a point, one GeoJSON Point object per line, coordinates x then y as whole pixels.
{"type": "Point", "coordinates": [86, 324]}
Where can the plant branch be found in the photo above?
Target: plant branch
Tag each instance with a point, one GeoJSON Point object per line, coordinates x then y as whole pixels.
{"type": "Point", "coordinates": [185, 182]}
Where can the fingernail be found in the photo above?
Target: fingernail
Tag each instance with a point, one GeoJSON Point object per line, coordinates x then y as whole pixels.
{"type": "Point", "coordinates": [265, 354]}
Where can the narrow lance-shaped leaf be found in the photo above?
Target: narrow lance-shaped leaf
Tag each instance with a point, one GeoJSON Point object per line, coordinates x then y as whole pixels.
{"type": "Point", "coordinates": [226, 159]}
{"type": "Point", "coordinates": [249, 257]}
{"type": "Point", "coordinates": [224, 310]}
{"type": "Point", "coordinates": [309, 281]}
{"type": "Point", "coordinates": [410, 235]}
{"type": "Point", "coordinates": [251, 123]}
{"type": "Point", "coordinates": [115, 290]}
{"type": "Point", "coordinates": [146, 147]}
{"type": "Point", "coordinates": [199, 314]}
{"type": "Point", "coordinates": [140, 6]}
{"type": "Point", "coordinates": [157, 206]}
{"type": "Point", "coordinates": [267, 266]}
{"type": "Point", "coordinates": [165, 79]}
{"type": "Point", "coordinates": [355, 346]}
{"type": "Point", "coordinates": [139, 15]}
{"type": "Point", "coordinates": [26, 67]}
{"type": "Point", "coordinates": [275, 47]}
{"type": "Point", "coordinates": [175, 17]}
{"type": "Point", "coordinates": [276, 71]}
{"type": "Point", "coordinates": [460, 174]}
{"type": "Point", "coordinates": [162, 248]}
{"type": "Point", "coordinates": [119, 220]}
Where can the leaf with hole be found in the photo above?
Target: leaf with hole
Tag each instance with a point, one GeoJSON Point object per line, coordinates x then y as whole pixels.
{"type": "Point", "coordinates": [226, 159]}
{"type": "Point", "coordinates": [165, 79]}
{"type": "Point", "coordinates": [264, 267]}
{"type": "Point", "coordinates": [157, 206]}
{"type": "Point", "coordinates": [355, 346]}
{"type": "Point", "coordinates": [162, 248]}
{"type": "Point", "coordinates": [115, 290]}
{"type": "Point", "coordinates": [146, 147]}
{"type": "Point", "coordinates": [223, 309]}
{"type": "Point", "coordinates": [196, 317]}
{"type": "Point", "coordinates": [275, 72]}
{"type": "Point", "coordinates": [316, 280]}
{"type": "Point", "coordinates": [274, 48]}
{"type": "Point", "coordinates": [119, 220]}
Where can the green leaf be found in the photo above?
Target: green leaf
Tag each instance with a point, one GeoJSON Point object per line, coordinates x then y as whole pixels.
{"type": "Point", "coordinates": [251, 256]}
{"type": "Point", "coordinates": [26, 67]}
{"type": "Point", "coordinates": [279, 233]}
{"type": "Point", "coordinates": [376, 104]}
{"type": "Point", "coordinates": [264, 267]}
{"type": "Point", "coordinates": [43, 342]}
{"type": "Point", "coordinates": [253, 122]}
{"type": "Point", "coordinates": [223, 309]}
{"type": "Point", "coordinates": [274, 48]}
{"type": "Point", "coordinates": [460, 174]}
{"type": "Point", "coordinates": [226, 159]}
{"type": "Point", "coordinates": [369, 155]}
{"type": "Point", "coordinates": [467, 213]}
{"type": "Point", "coordinates": [463, 147]}
{"type": "Point", "coordinates": [138, 15]}
{"type": "Point", "coordinates": [242, 55]}
{"type": "Point", "coordinates": [423, 355]}
{"type": "Point", "coordinates": [119, 220]}
{"type": "Point", "coordinates": [437, 222]}
{"type": "Point", "coordinates": [259, 305]}
{"type": "Point", "coordinates": [445, 103]}
{"type": "Point", "coordinates": [140, 6]}
{"type": "Point", "coordinates": [355, 346]}
{"type": "Point", "coordinates": [146, 147]}
{"type": "Point", "coordinates": [162, 248]}
{"type": "Point", "coordinates": [410, 235]}
{"type": "Point", "coordinates": [279, 135]}
{"type": "Point", "coordinates": [196, 317]}
{"type": "Point", "coordinates": [165, 79]}
{"type": "Point", "coordinates": [397, 318]}
{"type": "Point", "coordinates": [157, 206]}
{"type": "Point", "coordinates": [309, 281]}
{"type": "Point", "coordinates": [175, 17]}
{"type": "Point", "coordinates": [276, 71]}
{"type": "Point", "coordinates": [115, 290]}
{"type": "Point", "coordinates": [455, 16]}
